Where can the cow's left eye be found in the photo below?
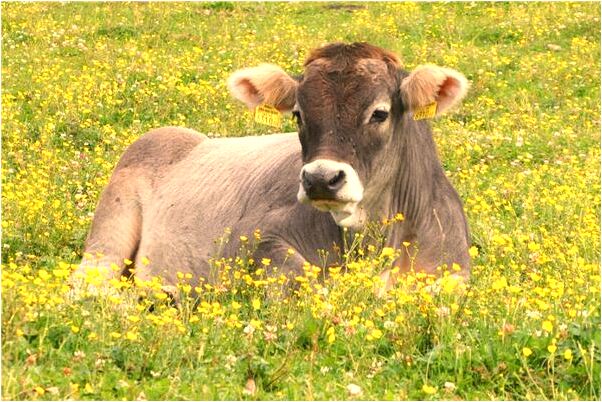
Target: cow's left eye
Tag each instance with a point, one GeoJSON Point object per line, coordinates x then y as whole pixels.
{"type": "Point", "coordinates": [379, 116]}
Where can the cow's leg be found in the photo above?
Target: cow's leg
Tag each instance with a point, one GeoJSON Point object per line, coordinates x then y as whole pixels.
{"type": "Point", "coordinates": [115, 232]}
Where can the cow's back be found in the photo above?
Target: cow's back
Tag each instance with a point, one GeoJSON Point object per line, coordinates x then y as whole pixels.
{"type": "Point", "coordinates": [236, 184]}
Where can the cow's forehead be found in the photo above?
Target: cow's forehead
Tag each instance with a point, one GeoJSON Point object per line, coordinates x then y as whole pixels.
{"type": "Point", "coordinates": [349, 68]}
{"type": "Point", "coordinates": [325, 74]}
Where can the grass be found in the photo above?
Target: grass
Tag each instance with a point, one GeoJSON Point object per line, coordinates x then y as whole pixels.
{"type": "Point", "coordinates": [82, 81]}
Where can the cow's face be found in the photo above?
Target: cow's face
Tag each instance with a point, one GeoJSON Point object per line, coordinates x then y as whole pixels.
{"type": "Point", "coordinates": [348, 105]}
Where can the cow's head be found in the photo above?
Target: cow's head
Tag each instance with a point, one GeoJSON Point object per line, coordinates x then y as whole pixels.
{"type": "Point", "coordinates": [349, 106]}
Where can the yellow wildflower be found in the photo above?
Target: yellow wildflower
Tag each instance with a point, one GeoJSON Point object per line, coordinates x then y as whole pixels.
{"type": "Point", "coordinates": [547, 326]}
{"type": "Point", "coordinates": [330, 335]}
{"type": "Point", "coordinates": [473, 252]}
{"type": "Point", "coordinates": [429, 390]}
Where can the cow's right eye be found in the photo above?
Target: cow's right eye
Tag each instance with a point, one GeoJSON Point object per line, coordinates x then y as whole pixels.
{"type": "Point", "coordinates": [297, 116]}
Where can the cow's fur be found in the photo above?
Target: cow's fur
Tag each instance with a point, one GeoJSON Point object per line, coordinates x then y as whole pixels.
{"type": "Point", "coordinates": [174, 191]}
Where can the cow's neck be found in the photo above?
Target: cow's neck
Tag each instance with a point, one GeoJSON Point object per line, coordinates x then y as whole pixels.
{"type": "Point", "coordinates": [418, 174]}
{"type": "Point", "coordinates": [412, 172]}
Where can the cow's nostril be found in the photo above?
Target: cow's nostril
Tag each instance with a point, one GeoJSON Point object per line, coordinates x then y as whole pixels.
{"type": "Point", "coordinates": [337, 180]}
{"type": "Point", "coordinates": [307, 180]}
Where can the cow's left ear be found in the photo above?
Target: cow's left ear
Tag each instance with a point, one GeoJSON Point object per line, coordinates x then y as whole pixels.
{"type": "Point", "coordinates": [266, 83]}
{"type": "Point", "coordinates": [430, 83]}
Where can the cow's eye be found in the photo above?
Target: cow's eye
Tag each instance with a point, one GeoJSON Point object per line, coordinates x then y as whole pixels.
{"type": "Point", "coordinates": [379, 116]}
{"type": "Point", "coordinates": [297, 116]}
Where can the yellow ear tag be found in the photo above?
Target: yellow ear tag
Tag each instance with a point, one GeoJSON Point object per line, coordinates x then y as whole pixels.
{"type": "Point", "coordinates": [426, 112]}
{"type": "Point", "coordinates": [268, 115]}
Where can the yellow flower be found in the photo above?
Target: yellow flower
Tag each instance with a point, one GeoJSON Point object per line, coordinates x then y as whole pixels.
{"type": "Point", "coordinates": [376, 333]}
{"type": "Point", "coordinates": [266, 261]}
{"type": "Point", "coordinates": [568, 354]}
{"type": "Point", "coordinates": [115, 335]}
{"type": "Point", "coordinates": [133, 318]}
{"type": "Point", "coordinates": [552, 348]}
{"type": "Point", "coordinates": [131, 335]}
{"type": "Point", "coordinates": [161, 295]}
{"type": "Point", "coordinates": [387, 252]}
{"type": "Point", "coordinates": [74, 329]}
{"type": "Point", "coordinates": [527, 352]}
{"type": "Point", "coordinates": [499, 283]}
{"type": "Point", "coordinates": [330, 334]}
{"type": "Point", "coordinates": [427, 389]}
{"type": "Point", "coordinates": [145, 261]}
{"type": "Point", "coordinates": [547, 326]}
{"type": "Point", "coordinates": [256, 304]}
{"type": "Point", "coordinates": [88, 389]}
{"type": "Point", "coordinates": [473, 252]}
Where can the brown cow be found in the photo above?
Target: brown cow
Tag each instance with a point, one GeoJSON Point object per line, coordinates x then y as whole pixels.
{"type": "Point", "coordinates": [359, 155]}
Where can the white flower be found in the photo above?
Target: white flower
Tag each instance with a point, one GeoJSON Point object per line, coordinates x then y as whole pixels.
{"type": "Point", "coordinates": [449, 386]}
{"type": "Point", "coordinates": [354, 390]}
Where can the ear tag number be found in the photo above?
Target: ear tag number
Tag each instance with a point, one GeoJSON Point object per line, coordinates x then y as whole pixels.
{"type": "Point", "coordinates": [426, 112]}
{"type": "Point", "coordinates": [268, 115]}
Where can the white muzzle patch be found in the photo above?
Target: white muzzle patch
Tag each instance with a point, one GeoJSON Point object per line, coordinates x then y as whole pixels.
{"type": "Point", "coordinates": [343, 206]}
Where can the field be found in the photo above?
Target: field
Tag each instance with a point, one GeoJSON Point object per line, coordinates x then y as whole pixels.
{"type": "Point", "coordinates": [80, 82]}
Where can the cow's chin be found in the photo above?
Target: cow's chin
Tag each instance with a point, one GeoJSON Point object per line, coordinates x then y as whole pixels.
{"type": "Point", "coordinates": [345, 214]}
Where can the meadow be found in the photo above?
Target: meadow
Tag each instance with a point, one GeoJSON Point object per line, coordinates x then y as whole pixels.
{"type": "Point", "coordinates": [80, 82]}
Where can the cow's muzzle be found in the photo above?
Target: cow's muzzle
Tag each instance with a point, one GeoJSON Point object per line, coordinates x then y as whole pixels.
{"type": "Point", "coordinates": [322, 185]}
{"type": "Point", "coordinates": [329, 185]}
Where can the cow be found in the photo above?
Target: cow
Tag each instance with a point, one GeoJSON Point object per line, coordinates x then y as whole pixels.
{"type": "Point", "coordinates": [359, 155]}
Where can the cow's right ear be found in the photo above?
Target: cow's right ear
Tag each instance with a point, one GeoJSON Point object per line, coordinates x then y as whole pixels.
{"type": "Point", "coordinates": [264, 84]}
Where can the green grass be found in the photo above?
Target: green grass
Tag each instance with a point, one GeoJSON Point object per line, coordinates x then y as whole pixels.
{"type": "Point", "coordinates": [80, 82]}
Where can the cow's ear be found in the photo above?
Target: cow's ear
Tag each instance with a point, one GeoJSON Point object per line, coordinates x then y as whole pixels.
{"type": "Point", "coordinates": [266, 83]}
{"type": "Point", "coordinates": [430, 83]}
